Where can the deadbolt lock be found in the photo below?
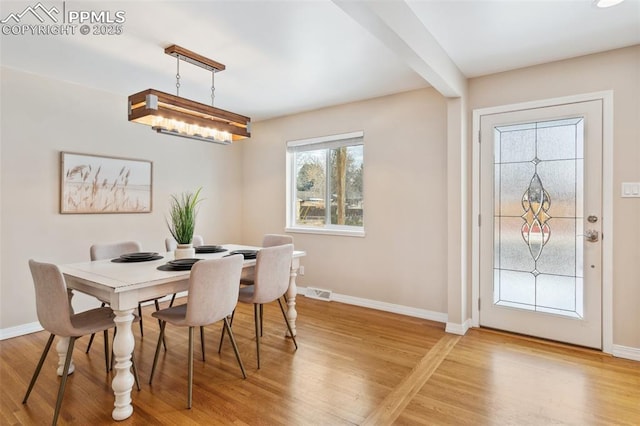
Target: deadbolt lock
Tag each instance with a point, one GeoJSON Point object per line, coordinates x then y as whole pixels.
{"type": "Point", "coordinates": [592, 219]}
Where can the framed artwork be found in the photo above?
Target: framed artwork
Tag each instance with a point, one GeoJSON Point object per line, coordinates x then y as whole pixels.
{"type": "Point", "coordinates": [99, 184]}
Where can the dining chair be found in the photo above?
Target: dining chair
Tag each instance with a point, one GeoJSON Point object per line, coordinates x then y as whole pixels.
{"type": "Point", "coordinates": [273, 268]}
{"type": "Point", "coordinates": [269, 240]}
{"type": "Point", "coordinates": [114, 250]}
{"type": "Point", "coordinates": [55, 315]}
{"type": "Point", "coordinates": [213, 295]}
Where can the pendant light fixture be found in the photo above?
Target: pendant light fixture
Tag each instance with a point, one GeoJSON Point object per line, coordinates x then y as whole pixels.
{"type": "Point", "coordinates": [173, 115]}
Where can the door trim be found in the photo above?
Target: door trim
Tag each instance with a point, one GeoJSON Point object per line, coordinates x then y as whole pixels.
{"type": "Point", "coordinates": [607, 202]}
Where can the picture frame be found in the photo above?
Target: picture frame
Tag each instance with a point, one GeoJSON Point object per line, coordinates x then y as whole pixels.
{"type": "Point", "coordinates": [97, 184]}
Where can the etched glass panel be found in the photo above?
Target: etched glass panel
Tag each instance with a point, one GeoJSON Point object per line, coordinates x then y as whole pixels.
{"type": "Point", "coordinates": [537, 216]}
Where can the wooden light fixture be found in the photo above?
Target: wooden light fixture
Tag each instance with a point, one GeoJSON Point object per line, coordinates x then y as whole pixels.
{"type": "Point", "coordinates": [173, 115]}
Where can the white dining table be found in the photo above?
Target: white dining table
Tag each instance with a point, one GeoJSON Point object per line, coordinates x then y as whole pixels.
{"type": "Point", "coordinates": [123, 285]}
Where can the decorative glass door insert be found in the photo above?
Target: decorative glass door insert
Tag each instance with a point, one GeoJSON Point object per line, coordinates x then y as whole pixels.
{"type": "Point", "coordinates": [540, 205]}
{"type": "Point", "coordinates": [538, 180]}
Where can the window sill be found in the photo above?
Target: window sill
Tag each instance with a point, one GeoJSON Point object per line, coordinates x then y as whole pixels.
{"type": "Point", "coordinates": [326, 231]}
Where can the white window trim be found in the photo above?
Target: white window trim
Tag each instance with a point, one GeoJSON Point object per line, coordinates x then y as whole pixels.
{"type": "Point", "coordinates": [324, 142]}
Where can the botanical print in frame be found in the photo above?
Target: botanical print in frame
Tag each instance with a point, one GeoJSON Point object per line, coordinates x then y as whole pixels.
{"type": "Point", "coordinates": [99, 184]}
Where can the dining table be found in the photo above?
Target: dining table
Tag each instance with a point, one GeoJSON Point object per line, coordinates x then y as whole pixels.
{"type": "Point", "coordinates": [123, 284]}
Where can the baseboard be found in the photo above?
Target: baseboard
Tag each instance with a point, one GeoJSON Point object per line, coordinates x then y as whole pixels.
{"type": "Point", "coordinates": [387, 307]}
{"type": "Point", "coordinates": [626, 352]}
{"type": "Point", "coordinates": [461, 329]}
{"type": "Point", "coordinates": [20, 330]}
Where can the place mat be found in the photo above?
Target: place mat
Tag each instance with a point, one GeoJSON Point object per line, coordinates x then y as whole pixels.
{"type": "Point", "coordinates": [178, 265]}
{"type": "Point", "coordinates": [167, 267]}
{"type": "Point", "coordinates": [248, 254]}
{"type": "Point", "coordinates": [210, 249]}
{"type": "Point", "coordinates": [146, 259]}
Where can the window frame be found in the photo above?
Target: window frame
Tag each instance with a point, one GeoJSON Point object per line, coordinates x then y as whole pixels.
{"type": "Point", "coordinates": [327, 143]}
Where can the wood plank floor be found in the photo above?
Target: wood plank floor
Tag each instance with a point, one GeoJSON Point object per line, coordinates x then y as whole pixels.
{"type": "Point", "coordinates": [354, 366]}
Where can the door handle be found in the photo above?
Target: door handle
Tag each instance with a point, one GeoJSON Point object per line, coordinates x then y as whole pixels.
{"type": "Point", "coordinates": [592, 235]}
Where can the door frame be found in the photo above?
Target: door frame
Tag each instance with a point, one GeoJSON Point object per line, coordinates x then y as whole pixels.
{"type": "Point", "coordinates": [607, 202]}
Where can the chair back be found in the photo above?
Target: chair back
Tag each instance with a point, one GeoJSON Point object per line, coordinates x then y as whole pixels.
{"type": "Point", "coordinates": [273, 270]}
{"type": "Point", "coordinates": [270, 240]}
{"type": "Point", "coordinates": [171, 244]}
{"type": "Point", "coordinates": [52, 302]}
{"type": "Point", "coordinates": [197, 241]}
{"type": "Point", "coordinates": [112, 250]}
{"type": "Point", "coordinates": [213, 290]}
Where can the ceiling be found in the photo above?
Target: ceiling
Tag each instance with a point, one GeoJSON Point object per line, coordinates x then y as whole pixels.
{"type": "Point", "coordinates": [284, 57]}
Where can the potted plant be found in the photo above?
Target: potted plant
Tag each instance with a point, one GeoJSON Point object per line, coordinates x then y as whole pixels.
{"type": "Point", "coordinates": [182, 222]}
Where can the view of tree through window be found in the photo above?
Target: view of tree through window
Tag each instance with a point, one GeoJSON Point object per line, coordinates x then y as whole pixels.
{"type": "Point", "coordinates": [329, 177]}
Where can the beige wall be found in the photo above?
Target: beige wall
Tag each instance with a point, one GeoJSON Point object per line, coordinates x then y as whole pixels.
{"type": "Point", "coordinates": [403, 258]}
{"type": "Point", "coordinates": [617, 70]}
{"type": "Point", "coordinates": [40, 118]}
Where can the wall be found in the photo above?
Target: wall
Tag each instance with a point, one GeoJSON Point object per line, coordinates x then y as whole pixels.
{"type": "Point", "coordinates": [40, 118]}
{"type": "Point", "coordinates": [403, 258]}
{"type": "Point", "coordinates": [617, 70]}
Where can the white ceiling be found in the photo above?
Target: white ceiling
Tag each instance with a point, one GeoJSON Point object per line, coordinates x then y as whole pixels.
{"type": "Point", "coordinates": [284, 57]}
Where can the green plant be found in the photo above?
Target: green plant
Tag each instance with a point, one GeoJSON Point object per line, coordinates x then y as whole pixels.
{"type": "Point", "coordinates": [183, 216]}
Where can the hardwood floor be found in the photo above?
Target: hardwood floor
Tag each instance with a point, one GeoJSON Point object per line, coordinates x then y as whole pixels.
{"type": "Point", "coordinates": [354, 366]}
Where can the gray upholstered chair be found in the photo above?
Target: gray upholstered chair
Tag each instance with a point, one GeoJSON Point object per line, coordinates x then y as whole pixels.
{"type": "Point", "coordinates": [213, 295]}
{"type": "Point", "coordinates": [269, 240]}
{"type": "Point", "coordinates": [113, 250]}
{"type": "Point", "coordinates": [55, 316]}
{"type": "Point", "coordinates": [273, 266]}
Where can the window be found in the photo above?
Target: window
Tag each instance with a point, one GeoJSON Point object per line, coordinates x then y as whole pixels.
{"type": "Point", "coordinates": [325, 185]}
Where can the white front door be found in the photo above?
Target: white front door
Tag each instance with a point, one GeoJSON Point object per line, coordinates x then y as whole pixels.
{"type": "Point", "coordinates": [540, 214]}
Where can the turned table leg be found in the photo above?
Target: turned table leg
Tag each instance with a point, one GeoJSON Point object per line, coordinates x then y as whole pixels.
{"type": "Point", "coordinates": [123, 381]}
{"type": "Point", "coordinates": [292, 314]}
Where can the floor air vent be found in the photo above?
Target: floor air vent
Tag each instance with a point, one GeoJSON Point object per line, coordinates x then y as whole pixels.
{"type": "Point", "coordinates": [317, 293]}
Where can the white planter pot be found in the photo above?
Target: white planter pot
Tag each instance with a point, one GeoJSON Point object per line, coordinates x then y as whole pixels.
{"type": "Point", "coordinates": [184, 251]}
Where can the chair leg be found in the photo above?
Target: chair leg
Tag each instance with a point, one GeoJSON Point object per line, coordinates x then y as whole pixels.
{"type": "Point", "coordinates": [223, 331]}
{"type": "Point", "coordinates": [93, 334]}
{"type": "Point", "coordinates": [63, 379]}
{"type": "Point", "coordinates": [106, 349]}
{"type": "Point", "coordinates": [227, 326]}
{"type": "Point", "coordinates": [190, 374]}
{"type": "Point", "coordinates": [39, 367]}
{"type": "Point", "coordinates": [288, 325]}
{"type": "Point", "coordinates": [202, 340]}
{"type": "Point", "coordinates": [173, 298]}
{"type": "Point", "coordinates": [135, 371]}
{"type": "Point", "coordinates": [140, 315]}
{"type": "Point", "coordinates": [155, 358]}
{"type": "Point", "coordinates": [164, 342]}
{"type": "Point", "coordinates": [261, 315]}
{"type": "Point", "coordinates": [256, 320]}
{"type": "Point", "coordinates": [90, 343]}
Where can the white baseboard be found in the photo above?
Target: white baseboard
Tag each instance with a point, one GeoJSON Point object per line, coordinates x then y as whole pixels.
{"type": "Point", "coordinates": [387, 307]}
{"type": "Point", "coordinates": [626, 352]}
{"type": "Point", "coordinates": [455, 328]}
{"type": "Point", "coordinates": [20, 330]}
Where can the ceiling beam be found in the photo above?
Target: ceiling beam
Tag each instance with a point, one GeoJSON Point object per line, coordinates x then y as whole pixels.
{"type": "Point", "coordinates": [396, 25]}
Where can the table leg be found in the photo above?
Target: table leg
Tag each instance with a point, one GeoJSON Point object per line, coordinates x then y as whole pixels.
{"type": "Point", "coordinates": [61, 348]}
{"type": "Point", "coordinates": [63, 344]}
{"type": "Point", "coordinates": [123, 381]}
{"type": "Point", "coordinates": [292, 314]}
